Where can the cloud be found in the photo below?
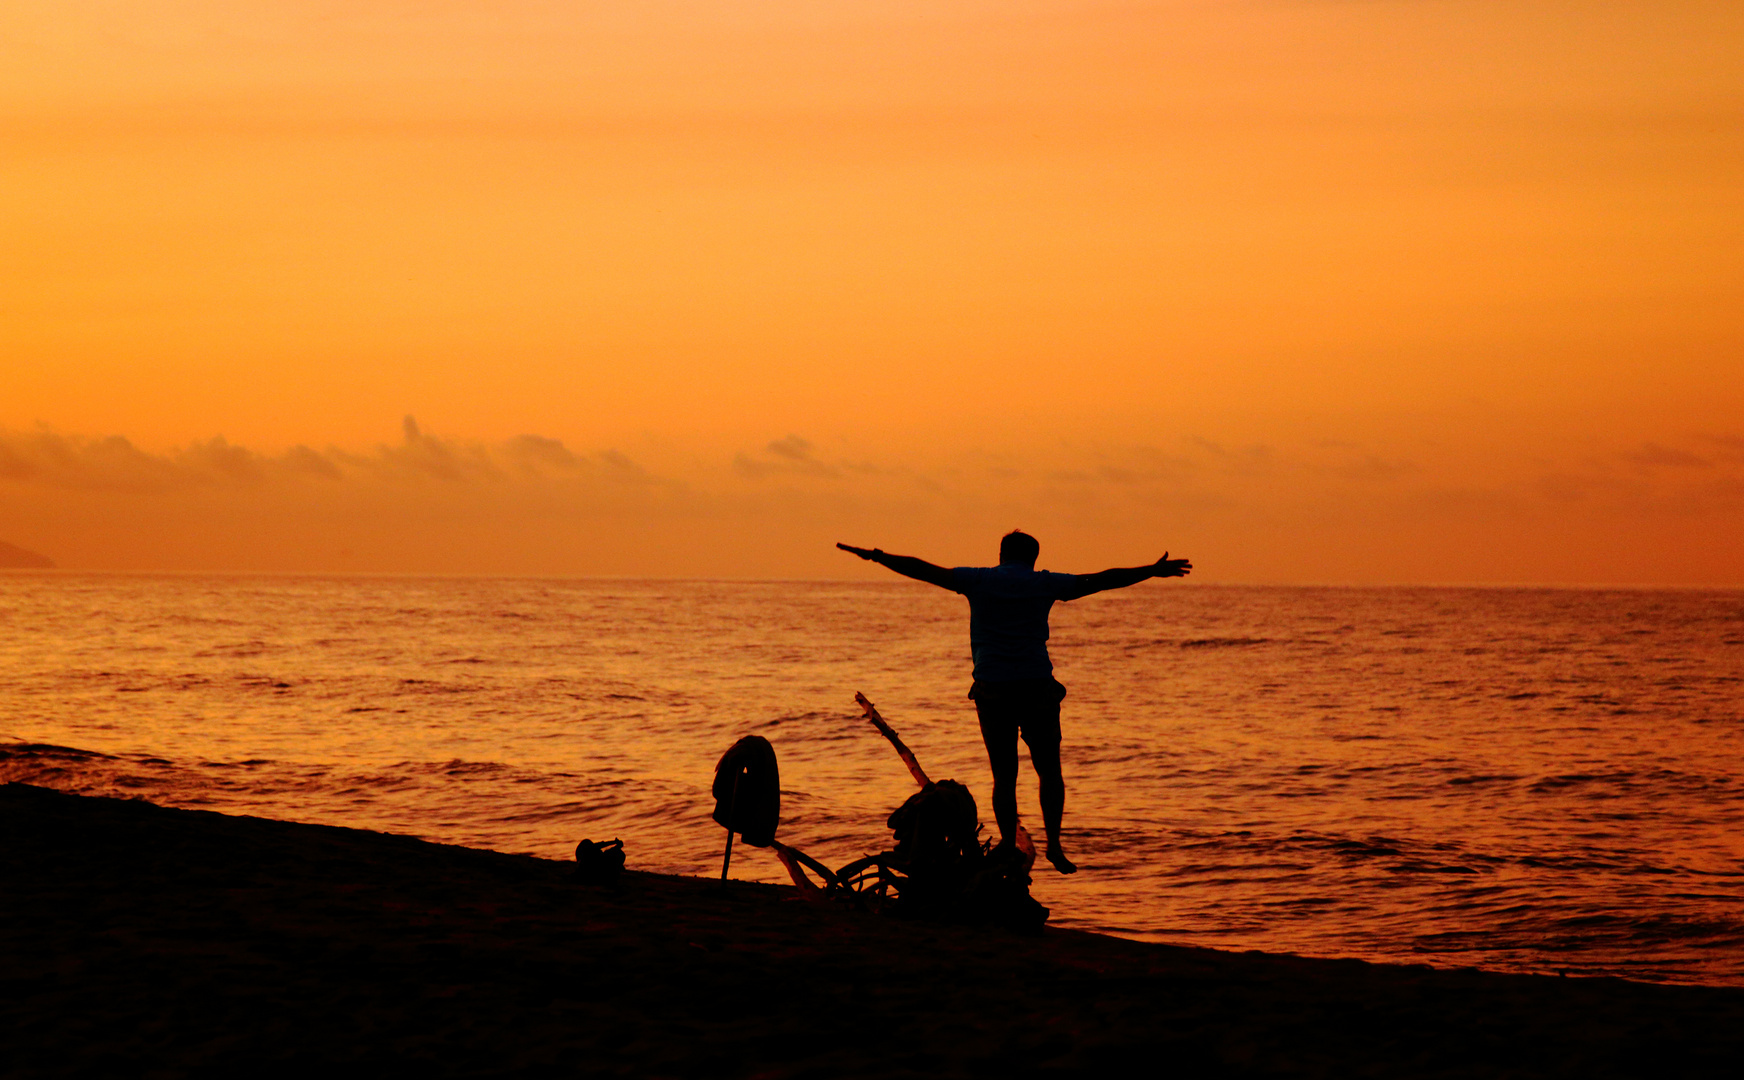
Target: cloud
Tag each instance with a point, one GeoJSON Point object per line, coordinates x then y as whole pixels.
{"type": "Point", "coordinates": [219, 459]}
{"type": "Point", "coordinates": [113, 463]}
{"type": "Point", "coordinates": [791, 456]}
{"type": "Point", "coordinates": [1727, 447]}
{"type": "Point", "coordinates": [1655, 456]}
{"type": "Point", "coordinates": [300, 459]}
{"type": "Point", "coordinates": [1246, 459]}
{"type": "Point", "coordinates": [537, 453]}
{"type": "Point", "coordinates": [1356, 508]}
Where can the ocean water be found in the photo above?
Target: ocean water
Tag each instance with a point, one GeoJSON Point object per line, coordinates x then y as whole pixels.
{"type": "Point", "coordinates": [1515, 779]}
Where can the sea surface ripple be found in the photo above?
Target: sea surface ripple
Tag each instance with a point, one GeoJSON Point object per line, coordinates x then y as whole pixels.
{"type": "Point", "coordinates": [1515, 779]}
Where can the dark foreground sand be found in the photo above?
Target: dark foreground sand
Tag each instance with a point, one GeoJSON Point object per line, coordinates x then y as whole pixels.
{"type": "Point", "coordinates": [140, 940]}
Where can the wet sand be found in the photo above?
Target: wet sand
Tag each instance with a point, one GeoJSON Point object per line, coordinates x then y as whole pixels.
{"type": "Point", "coordinates": [138, 939]}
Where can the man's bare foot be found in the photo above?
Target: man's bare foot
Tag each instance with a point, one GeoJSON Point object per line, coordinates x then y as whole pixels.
{"type": "Point", "coordinates": [1061, 863]}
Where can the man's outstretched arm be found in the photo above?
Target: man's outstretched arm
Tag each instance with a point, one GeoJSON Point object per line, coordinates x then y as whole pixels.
{"type": "Point", "coordinates": [1121, 577]}
{"type": "Point", "coordinates": [906, 565]}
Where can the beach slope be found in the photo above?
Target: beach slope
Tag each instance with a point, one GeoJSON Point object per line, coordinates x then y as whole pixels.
{"type": "Point", "coordinates": [139, 939]}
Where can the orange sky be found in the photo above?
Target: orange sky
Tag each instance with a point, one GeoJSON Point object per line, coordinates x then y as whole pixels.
{"type": "Point", "coordinates": [1347, 290]}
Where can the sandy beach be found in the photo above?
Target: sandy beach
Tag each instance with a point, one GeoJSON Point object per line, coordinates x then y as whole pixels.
{"type": "Point", "coordinates": [139, 939]}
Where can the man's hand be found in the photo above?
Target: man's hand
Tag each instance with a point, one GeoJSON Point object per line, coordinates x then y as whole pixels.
{"type": "Point", "coordinates": [1167, 567]}
{"type": "Point", "coordinates": [906, 565]}
{"type": "Point", "coordinates": [1122, 576]}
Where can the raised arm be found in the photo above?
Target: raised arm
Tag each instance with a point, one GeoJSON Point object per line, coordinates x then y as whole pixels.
{"type": "Point", "coordinates": [1121, 577]}
{"type": "Point", "coordinates": [906, 565]}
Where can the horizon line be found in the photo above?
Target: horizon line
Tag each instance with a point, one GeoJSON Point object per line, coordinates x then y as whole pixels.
{"type": "Point", "coordinates": [457, 575]}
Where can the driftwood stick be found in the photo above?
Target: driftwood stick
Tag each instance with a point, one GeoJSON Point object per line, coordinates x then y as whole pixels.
{"type": "Point", "coordinates": [903, 752]}
{"type": "Point", "coordinates": [793, 859]}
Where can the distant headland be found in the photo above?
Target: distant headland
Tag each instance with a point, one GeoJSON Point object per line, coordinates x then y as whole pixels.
{"type": "Point", "coordinates": [13, 557]}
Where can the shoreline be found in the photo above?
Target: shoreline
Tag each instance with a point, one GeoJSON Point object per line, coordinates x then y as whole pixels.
{"type": "Point", "coordinates": [142, 938]}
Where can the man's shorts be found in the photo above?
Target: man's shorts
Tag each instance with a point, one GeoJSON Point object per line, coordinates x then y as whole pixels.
{"type": "Point", "coordinates": [1027, 706]}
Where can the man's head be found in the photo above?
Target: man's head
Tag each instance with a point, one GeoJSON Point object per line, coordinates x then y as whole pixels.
{"type": "Point", "coordinates": [1018, 548]}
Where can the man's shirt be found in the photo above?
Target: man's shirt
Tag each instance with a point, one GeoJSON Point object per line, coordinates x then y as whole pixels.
{"type": "Point", "coordinates": [1008, 618]}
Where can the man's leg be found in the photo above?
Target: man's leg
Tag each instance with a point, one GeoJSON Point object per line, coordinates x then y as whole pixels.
{"type": "Point", "coordinates": [1000, 735]}
{"type": "Point", "coordinates": [1044, 754]}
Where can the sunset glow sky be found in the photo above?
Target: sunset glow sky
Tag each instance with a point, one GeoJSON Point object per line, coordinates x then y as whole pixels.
{"type": "Point", "coordinates": [1307, 290]}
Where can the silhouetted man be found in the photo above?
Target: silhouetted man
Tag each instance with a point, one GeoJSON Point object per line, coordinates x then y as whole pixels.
{"type": "Point", "coordinates": [1015, 691]}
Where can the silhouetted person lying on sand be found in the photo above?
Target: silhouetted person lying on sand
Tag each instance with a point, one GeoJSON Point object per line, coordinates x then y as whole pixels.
{"type": "Point", "coordinates": [1015, 690]}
